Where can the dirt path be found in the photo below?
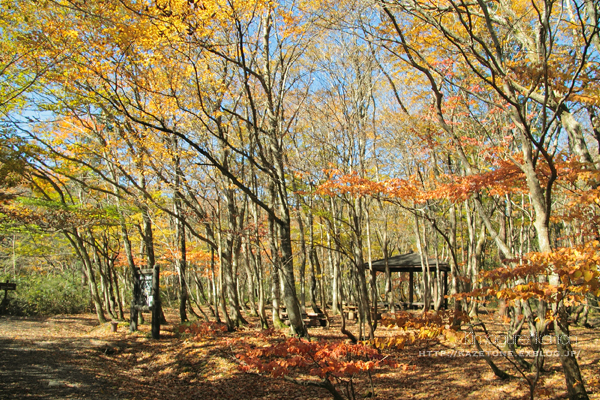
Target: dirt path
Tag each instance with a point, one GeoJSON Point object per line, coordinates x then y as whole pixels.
{"type": "Point", "coordinates": [72, 357]}
{"type": "Point", "coordinates": [50, 358]}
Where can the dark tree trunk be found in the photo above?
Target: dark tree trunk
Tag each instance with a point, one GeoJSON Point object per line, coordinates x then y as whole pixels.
{"type": "Point", "coordinates": [148, 238]}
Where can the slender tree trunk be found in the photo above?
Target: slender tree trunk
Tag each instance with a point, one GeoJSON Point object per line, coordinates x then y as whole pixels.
{"type": "Point", "coordinates": [258, 267]}
{"type": "Point", "coordinates": [181, 263]}
{"type": "Point", "coordinates": [215, 296]}
{"type": "Point", "coordinates": [334, 267]}
{"type": "Point", "coordinates": [79, 247]}
{"type": "Point", "coordinates": [373, 273]}
{"type": "Point", "coordinates": [424, 267]}
{"type": "Point", "coordinates": [334, 259]}
{"type": "Point", "coordinates": [149, 248]}
{"type": "Point", "coordinates": [133, 270]}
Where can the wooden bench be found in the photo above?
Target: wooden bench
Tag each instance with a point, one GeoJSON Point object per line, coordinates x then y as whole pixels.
{"type": "Point", "coordinates": [352, 313]}
{"type": "Point", "coordinates": [309, 319]}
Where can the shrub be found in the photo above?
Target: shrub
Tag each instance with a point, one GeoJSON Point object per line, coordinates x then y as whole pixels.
{"type": "Point", "coordinates": [330, 365]}
{"type": "Point", "coordinates": [47, 294]}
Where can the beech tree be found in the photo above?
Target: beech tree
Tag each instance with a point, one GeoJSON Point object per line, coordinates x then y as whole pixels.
{"type": "Point", "coordinates": [243, 147]}
{"type": "Point", "coordinates": [240, 60]}
{"type": "Point", "coordinates": [526, 68]}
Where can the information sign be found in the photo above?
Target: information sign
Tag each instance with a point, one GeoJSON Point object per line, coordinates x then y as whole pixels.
{"type": "Point", "coordinates": [8, 286]}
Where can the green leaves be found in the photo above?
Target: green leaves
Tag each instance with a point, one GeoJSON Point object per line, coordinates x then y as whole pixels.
{"type": "Point", "coordinates": [43, 293]}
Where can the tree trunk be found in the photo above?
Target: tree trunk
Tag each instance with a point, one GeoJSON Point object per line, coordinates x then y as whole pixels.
{"type": "Point", "coordinates": [148, 239]}
{"type": "Point", "coordinates": [77, 243]}
{"type": "Point", "coordinates": [574, 381]}
{"type": "Point", "coordinates": [181, 262]}
{"type": "Point", "coordinates": [424, 267]}
{"type": "Point", "coordinates": [289, 284]}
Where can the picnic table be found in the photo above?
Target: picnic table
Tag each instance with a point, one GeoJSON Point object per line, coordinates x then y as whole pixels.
{"type": "Point", "coordinates": [309, 319]}
{"type": "Point", "coordinates": [351, 311]}
{"type": "Point", "coordinates": [315, 319]}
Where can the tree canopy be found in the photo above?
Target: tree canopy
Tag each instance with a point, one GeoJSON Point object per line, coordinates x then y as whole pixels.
{"type": "Point", "coordinates": [254, 152]}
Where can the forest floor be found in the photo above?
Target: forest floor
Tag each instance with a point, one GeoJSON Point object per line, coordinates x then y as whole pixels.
{"type": "Point", "coordinates": [72, 356]}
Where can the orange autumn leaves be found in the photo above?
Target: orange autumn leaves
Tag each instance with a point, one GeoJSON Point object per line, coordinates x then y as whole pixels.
{"type": "Point", "coordinates": [507, 178]}
{"type": "Point", "coordinates": [322, 359]}
{"type": "Point", "coordinates": [572, 272]}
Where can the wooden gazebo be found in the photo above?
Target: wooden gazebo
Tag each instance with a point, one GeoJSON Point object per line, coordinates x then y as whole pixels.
{"type": "Point", "coordinates": [411, 263]}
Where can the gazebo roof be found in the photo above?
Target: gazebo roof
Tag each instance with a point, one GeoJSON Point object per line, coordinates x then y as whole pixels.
{"type": "Point", "coordinates": [410, 262]}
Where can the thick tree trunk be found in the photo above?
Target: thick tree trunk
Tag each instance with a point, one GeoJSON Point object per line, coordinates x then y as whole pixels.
{"type": "Point", "coordinates": [289, 284]}
{"type": "Point", "coordinates": [595, 121]}
{"type": "Point", "coordinates": [276, 297]}
{"type": "Point", "coordinates": [251, 277]}
{"type": "Point", "coordinates": [574, 381]}
{"type": "Point", "coordinates": [575, 134]}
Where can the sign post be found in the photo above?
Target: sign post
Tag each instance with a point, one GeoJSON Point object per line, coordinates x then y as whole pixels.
{"type": "Point", "coordinates": [144, 299]}
{"type": "Point", "coordinates": [6, 286]}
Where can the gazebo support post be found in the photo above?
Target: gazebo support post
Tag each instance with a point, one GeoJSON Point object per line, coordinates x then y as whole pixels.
{"type": "Point", "coordinates": [410, 289]}
{"type": "Point", "coordinates": [445, 290]}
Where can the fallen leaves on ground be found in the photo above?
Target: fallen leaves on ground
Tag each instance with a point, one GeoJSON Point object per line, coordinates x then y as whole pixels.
{"type": "Point", "coordinates": [182, 366]}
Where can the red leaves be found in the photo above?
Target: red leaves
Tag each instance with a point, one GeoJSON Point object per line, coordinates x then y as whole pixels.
{"type": "Point", "coordinates": [502, 177]}
{"type": "Point", "coordinates": [352, 184]}
{"type": "Point", "coordinates": [203, 330]}
{"type": "Point", "coordinates": [506, 177]}
{"type": "Point", "coordinates": [322, 359]}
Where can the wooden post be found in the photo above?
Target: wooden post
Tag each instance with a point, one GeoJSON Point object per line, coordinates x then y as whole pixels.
{"type": "Point", "coordinates": [445, 289]}
{"type": "Point", "coordinates": [6, 286]}
{"type": "Point", "coordinates": [156, 309]}
{"type": "Point", "coordinates": [137, 292]}
{"type": "Point", "coordinates": [410, 289]}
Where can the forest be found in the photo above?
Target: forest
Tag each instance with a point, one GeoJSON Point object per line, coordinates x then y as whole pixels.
{"type": "Point", "coordinates": [195, 170]}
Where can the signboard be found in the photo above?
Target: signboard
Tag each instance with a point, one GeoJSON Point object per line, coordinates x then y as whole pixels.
{"type": "Point", "coordinates": [146, 288]}
{"type": "Point", "coordinates": [8, 286]}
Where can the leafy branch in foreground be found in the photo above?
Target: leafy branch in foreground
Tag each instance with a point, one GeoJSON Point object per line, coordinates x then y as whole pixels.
{"type": "Point", "coordinates": [301, 362]}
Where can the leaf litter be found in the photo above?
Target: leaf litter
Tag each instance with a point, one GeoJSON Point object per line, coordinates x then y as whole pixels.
{"type": "Point", "coordinates": [71, 356]}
